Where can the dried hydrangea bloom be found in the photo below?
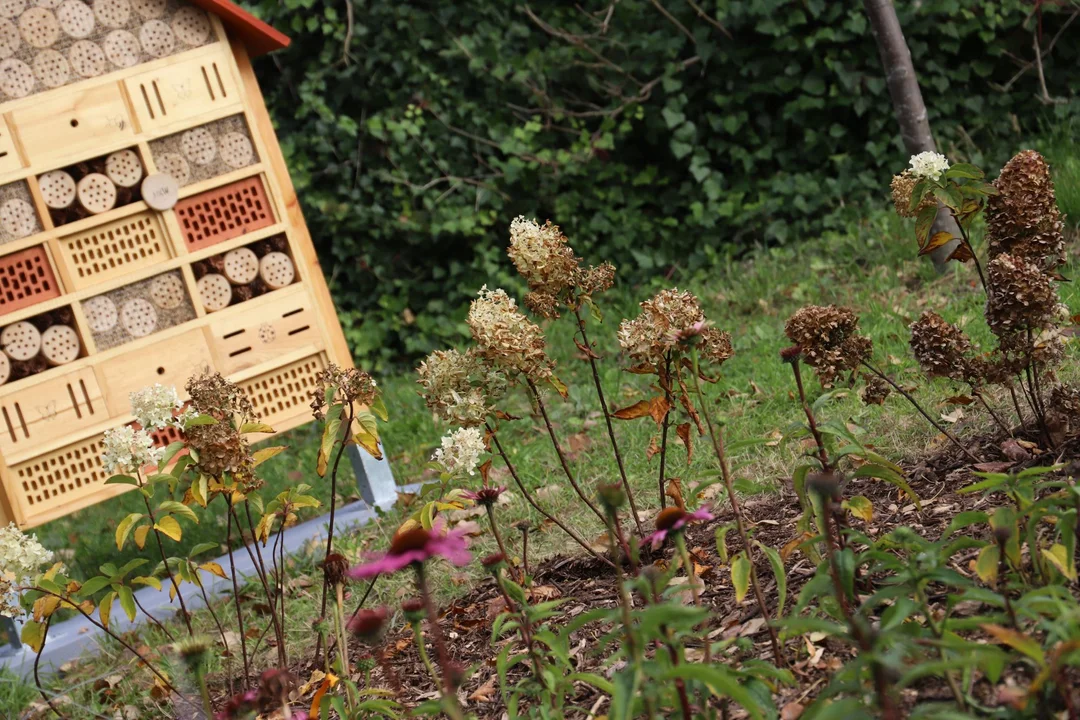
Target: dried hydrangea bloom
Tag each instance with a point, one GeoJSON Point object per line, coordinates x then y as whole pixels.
{"type": "Point", "coordinates": [220, 447]}
{"type": "Point", "coordinates": [1020, 296]}
{"type": "Point", "coordinates": [542, 256]}
{"type": "Point", "coordinates": [668, 322]}
{"type": "Point", "coordinates": [1023, 219]}
{"type": "Point", "coordinates": [506, 337]}
{"type": "Point", "coordinates": [1015, 351]}
{"type": "Point", "coordinates": [876, 390]}
{"type": "Point", "coordinates": [902, 187]}
{"type": "Point", "coordinates": [125, 450]}
{"type": "Point", "coordinates": [828, 336]}
{"type": "Point", "coordinates": [461, 388]}
{"type": "Point", "coordinates": [460, 452]}
{"type": "Point", "coordinates": [941, 348]}
{"type": "Point", "coordinates": [1065, 399]}
{"type": "Point", "coordinates": [929, 165]}
{"type": "Point", "coordinates": [351, 385]}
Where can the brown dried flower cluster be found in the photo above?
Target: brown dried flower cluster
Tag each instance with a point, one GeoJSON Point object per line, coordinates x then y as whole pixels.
{"type": "Point", "coordinates": [902, 187]}
{"type": "Point", "coordinates": [461, 388]}
{"type": "Point", "coordinates": [668, 323]}
{"type": "Point", "coordinates": [1023, 219]}
{"type": "Point", "coordinates": [506, 338]}
{"type": "Point", "coordinates": [876, 390]}
{"type": "Point", "coordinates": [542, 255]}
{"type": "Point", "coordinates": [942, 349]}
{"type": "Point", "coordinates": [1065, 399]}
{"type": "Point", "coordinates": [1020, 296]}
{"type": "Point", "coordinates": [349, 385]}
{"type": "Point", "coordinates": [829, 338]}
{"type": "Point", "coordinates": [220, 447]}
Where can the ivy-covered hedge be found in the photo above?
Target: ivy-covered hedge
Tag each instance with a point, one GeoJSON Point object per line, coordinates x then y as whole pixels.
{"type": "Point", "coordinates": [416, 131]}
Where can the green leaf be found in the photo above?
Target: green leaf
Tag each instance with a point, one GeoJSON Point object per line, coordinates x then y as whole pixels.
{"type": "Point", "coordinates": [180, 509]}
{"type": "Point", "coordinates": [986, 565]}
{"type": "Point", "coordinates": [779, 573]}
{"type": "Point", "coordinates": [122, 480]}
{"type": "Point", "coordinates": [127, 600]}
{"type": "Point", "coordinates": [124, 529]}
{"type": "Point", "coordinates": [720, 681]}
{"type": "Point", "coordinates": [740, 575]}
{"type": "Point", "coordinates": [378, 406]}
{"type": "Point", "coordinates": [94, 585]}
{"type": "Point", "coordinates": [964, 170]}
{"type": "Point", "coordinates": [197, 420]}
{"type": "Point", "coordinates": [331, 429]}
{"type": "Point", "coordinates": [625, 691]}
{"type": "Point", "coordinates": [1059, 557]}
{"type": "Point", "coordinates": [170, 453]}
{"type": "Point", "coordinates": [924, 221]}
{"type": "Point", "coordinates": [721, 540]}
{"type": "Point", "coordinates": [203, 547]}
{"type": "Point", "coordinates": [883, 472]}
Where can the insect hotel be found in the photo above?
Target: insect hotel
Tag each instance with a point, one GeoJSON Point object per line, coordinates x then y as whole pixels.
{"type": "Point", "coordinates": [148, 229]}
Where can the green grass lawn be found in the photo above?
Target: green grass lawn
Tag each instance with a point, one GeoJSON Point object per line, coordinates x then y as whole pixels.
{"type": "Point", "coordinates": [871, 267]}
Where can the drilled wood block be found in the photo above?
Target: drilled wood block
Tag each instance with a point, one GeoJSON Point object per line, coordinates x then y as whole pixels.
{"type": "Point", "coordinates": [224, 213]}
{"type": "Point", "coordinates": [283, 393]}
{"type": "Point", "coordinates": [114, 249]}
{"type": "Point", "coordinates": [58, 482]}
{"type": "Point", "coordinates": [269, 327]}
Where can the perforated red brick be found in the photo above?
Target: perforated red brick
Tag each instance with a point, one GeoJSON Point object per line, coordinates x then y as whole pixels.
{"type": "Point", "coordinates": [224, 213]}
{"type": "Point", "coordinates": [26, 278]}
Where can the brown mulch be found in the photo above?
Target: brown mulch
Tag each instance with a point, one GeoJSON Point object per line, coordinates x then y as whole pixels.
{"type": "Point", "coordinates": [586, 584]}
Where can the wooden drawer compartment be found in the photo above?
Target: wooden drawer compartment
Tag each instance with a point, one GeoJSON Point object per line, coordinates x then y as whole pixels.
{"type": "Point", "coordinates": [60, 482]}
{"type": "Point", "coordinates": [10, 162]}
{"type": "Point", "coordinates": [48, 411]}
{"type": "Point", "coordinates": [224, 213]}
{"type": "Point", "coordinates": [284, 394]}
{"type": "Point", "coordinates": [171, 94]}
{"type": "Point", "coordinates": [54, 132]}
{"type": "Point", "coordinates": [207, 151]}
{"type": "Point", "coordinates": [114, 249]}
{"type": "Point", "coordinates": [26, 278]}
{"type": "Point", "coordinates": [268, 327]}
{"type": "Point", "coordinates": [135, 311]}
{"type": "Point", "coordinates": [169, 362]}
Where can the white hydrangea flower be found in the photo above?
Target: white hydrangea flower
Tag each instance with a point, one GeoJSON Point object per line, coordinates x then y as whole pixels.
{"type": "Point", "coordinates": [929, 165]}
{"type": "Point", "coordinates": [126, 450]}
{"type": "Point", "coordinates": [461, 450]}
{"type": "Point", "coordinates": [21, 556]}
{"type": "Point", "coordinates": [153, 406]}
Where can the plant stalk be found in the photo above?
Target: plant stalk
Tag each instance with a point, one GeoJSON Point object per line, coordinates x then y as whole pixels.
{"type": "Point", "coordinates": [236, 594]}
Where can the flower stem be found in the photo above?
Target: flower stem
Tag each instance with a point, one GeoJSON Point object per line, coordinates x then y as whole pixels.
{"type": "Point", "coordinates": [716, 435]}
{"type": "Point", "coordinates": [665, 383]}
{"type": "Point", "coordinates": [917, 406]}
{"type": "Point", "coordinates": [236, 592]}
{"type": "Point", "coordinates": [204, 693]}
{"type": "Point", "coordinates": [823, 456]}
{"type": "Point", "coordinates": [271, 598]}
{"type": "Point", "coordinates": [559, 451]}
{"type": "Point", "coordinates": [986, 404]}
{"type": "Point", "coordinates": [164, 562]}
{"type": "Point", "coordinates": [971, 249]}
{"type": "Point", "coordinates": [528, 496]}
{"type": "Point", "coordinates": [347, 429]}
{"type": "Point", "coordinates": [449, 694]}
{"type": "Point", "coordinates": [490, 508]}
{"type": "Point", "coordinates": [607, 419]}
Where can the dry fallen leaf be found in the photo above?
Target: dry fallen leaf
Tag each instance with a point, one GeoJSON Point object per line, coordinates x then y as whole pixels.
{"type": "Point", "coordinates": [953, 417]}
{"type": "Point", "coordinates": [485, 693]}
{"type": "Point", "coordinates": [791, 711]}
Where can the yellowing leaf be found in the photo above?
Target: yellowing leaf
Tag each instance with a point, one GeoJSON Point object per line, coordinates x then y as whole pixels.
{"type": "Point", "coordinates": [124, 528]}
{"type": "Point", "coordinates": [45, 606]}
{"type": "Point", "coordinates": [140, 536]}
{"type": "Point", "coordinates": [33, 635]}
{"type": "Point", "coordinates": [328, 682]}
{"type": "Point", "coordinates": [986, 565]}
{"type": "Point", "coordinates": [1059, 557]}
{"type": "Point", "coordinates": [105, 608]}
{"type": "Point", "coordinates": [214, 568]}
{"type": "Point", "coordinates": [740, 575]}
{"type": "Point", "coordinates": [860, 507]}
{"type": "Point", "coordinates": [1018, 641]}
{"type": "Point", "coordinates": [170, 527]}
{"type": "Point", "coordinates": [263, 454]}
{"type": "Point", "coordinates": [256, 427]}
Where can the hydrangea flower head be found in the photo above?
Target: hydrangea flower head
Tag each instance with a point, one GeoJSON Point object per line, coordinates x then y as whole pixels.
{"type": "Point", "coordinates": [929, 165]}
{"type": "Point", "coordinates": [460, 452]}
{"type": "Point", "coordinates": [416, 546]}
{"type": "Point", "coordinates": [507, 338]}
{"type": "Point", "coordinates": [155, 407]}
{"type": "Point", "coordinates": [127, 450]}
{"type": "Point", "coordinates": [460, 388]}
{"type": "Point", "coordinates": [668, 322]}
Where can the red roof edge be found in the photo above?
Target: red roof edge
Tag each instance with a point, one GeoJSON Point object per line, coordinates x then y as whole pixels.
{"type": "Point", "coordinates": [259, 37]}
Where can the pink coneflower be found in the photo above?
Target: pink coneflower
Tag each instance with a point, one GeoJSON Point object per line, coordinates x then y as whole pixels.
{"type": "Point", "coordinates": [485, 495]}
{"type": "Point", "coordinates": [673, 520]}
{"type": "Point", "coordinates": [416, 546]}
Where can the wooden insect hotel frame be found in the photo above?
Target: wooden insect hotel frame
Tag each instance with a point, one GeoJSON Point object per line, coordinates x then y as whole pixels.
{"type": "Point", "coordinates": [148, 229]}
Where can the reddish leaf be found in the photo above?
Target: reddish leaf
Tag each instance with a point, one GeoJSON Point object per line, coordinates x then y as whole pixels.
{"type": "Point", "coordinates": [962, 253]}
{"type": "Point", "coordinates": [586, 350]}
{"type": "Point", "coordinates": [683, 431]}
{"type": "Point", "coordinates": [656, 408]}
{"type": "Point", "coordinates": [959, 400]}
{"type": "Point", "coordinates": [674, 491]}
{"type": "Point", "coordinates": [936, 240]}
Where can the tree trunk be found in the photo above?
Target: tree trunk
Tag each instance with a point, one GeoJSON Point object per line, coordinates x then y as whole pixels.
{"type": "Point", "coordinates": [908, 104]}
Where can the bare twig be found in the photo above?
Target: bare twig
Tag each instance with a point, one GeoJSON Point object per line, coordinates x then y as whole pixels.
{"type": "Point", "coordinates": [674, 21]}
{"type": "Point", "coordinates": [708, 18]}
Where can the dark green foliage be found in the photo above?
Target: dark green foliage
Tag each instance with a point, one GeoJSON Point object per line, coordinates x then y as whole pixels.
{"type": "Point", "coordinates": [414, 150]}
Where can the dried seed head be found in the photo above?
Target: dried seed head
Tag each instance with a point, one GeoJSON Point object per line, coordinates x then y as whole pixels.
{"type": "Point", "coordinates": [668, 322]}
{"type": "Point", "coordinates": [666, 518]}
{"type": "Point", "coordinates": [275, 686]}
{"type": "Point", "coordinates": [334, 568]}
{"type": "Point", "coordinates": [542, 303]}
{"type": "Point", "coordinates": [221, 447]}
{"type": "Point", "coordinates": [368, 624]}
{"type": "Point", "coordinates": [1066, 400]}
{"type": "Point", "coordinates": [902, 186]}
{"type": "Point", "coordinates": [1020, 296]}
{"type": "Point", "coordinates": [460, 388]}
{"type": "Point", "coordinates": [493, 562]}
{"type": "Point", "coordinates": [506, 338]}
{"type": "Point", "coordinates": [611, 496]}
{"type": "Point", "coordinates": [1002, 533]}
{"type": "Point", "coordinates": [828, 336]}
{"type": "Point", "coordinates": [414, 609]}
{"type": "Point", "coordinates": [1023, 219]}
{"type": "Point", "coordinates": [594, 279]}
{"type": "Point", "coordinates": [824, 484]}
{"type": "Point", "coordinates": [791, 354]}
{"type": "Point", "coordinates": [876, 390]}
{"type": "Point", "coordinates": [194, 652]}
{"type": "Point", "coordinates": [941, 348]}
